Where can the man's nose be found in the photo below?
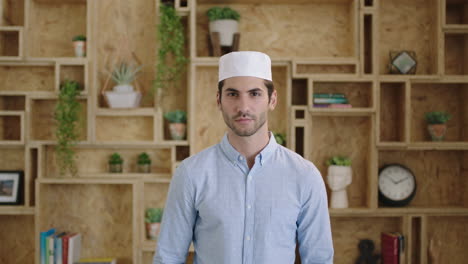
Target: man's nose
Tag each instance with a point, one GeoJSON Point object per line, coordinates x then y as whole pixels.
{"type": "Point", "coordinates": [243, 104]}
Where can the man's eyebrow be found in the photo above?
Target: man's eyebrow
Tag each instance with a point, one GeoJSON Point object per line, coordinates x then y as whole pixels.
{"type": "Point", "coordinates": [231, 90]}
{"type": "Point", "coordinates": [256, 89]}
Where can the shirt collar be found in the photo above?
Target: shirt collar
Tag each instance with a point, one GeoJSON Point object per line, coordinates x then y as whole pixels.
{"type": "Point", "coordinates": [234, 156]}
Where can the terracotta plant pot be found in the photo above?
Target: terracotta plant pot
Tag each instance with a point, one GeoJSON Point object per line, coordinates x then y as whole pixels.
{"type": "Point", "coordinates": [177, 130]}
{"type": "Point", "coordinates": [152, 230]}
{"type": "Point", "coordinates": [80, 48]}
{"type": "Point", "coordinates": [437, 131]}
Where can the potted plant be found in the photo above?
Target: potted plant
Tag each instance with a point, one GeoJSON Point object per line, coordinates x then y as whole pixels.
{"type": "Point", "coordinates": [280, 138]}
{"type": "Point", "coordinates": [437, 124]}
{"type": "Point", "coordinates": [79, 44]}
{"type": "Point", "coordinates": [339, 176]}
{"type": "Point", "coordinates": [153, 219]}
{"type": "Point", "coordinates": [171, 52]}
{"type": "Point", "coordinates": [66, 116]}
{"type": "Point", "coordinates": [225, 21]}
{"type": "Point", "coordinates": [144, 163]}
{"type": "Point", "coordinates": [115, 163]}
{"type": "Point", "coordinates": [123, 94]}
{"type": "Point", "coordinates": [177, 123]}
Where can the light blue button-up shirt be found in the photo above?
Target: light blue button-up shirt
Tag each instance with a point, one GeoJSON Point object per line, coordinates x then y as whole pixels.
{"type": "Point", "coordinates": [237, 215]}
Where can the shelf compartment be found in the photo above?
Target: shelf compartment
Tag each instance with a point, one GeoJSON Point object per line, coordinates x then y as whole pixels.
{"type": "Point", "coordinates": [456, 54]}
{"type": "Point", "coordinates": [124, 128]}
{"type": "Point", "coordinates": [12, 103]}
{"type": "Point", "coordinates": [456, 12]}
{"type": "Point", "coordinates": [409, 25]}
{"type": "Point", "coordinates": [93, 162]}
{"type": "Point", "coordinates": [348, 231]}
{"type": "Point", "coordinates": [332, 66]}
{"type": "Point", "coordinates": [99, 212]}
{"type": "Point", "coordinates": [17, 247]}
{"type": "Point", "coordinates": [299, 91]}
{"type": "Point", "coordinates": [367, 43]}
{"type": "Point", "coordinates": [27, 77]}
{"type": "Point", "coordinates": [11, 127]}
{"type": "Point", "coordinates": [74, 72]}
{"type": "Point", "coordinates": [448, 235]}
{"type": "Point", "coordinates": [12, 13]}
{"type": "Point", "coordinates": [12, 158]}
{"type": "Point", "coordinates": [392, 117]}
{"type": "Point", "coordinates": [358, 93]}
{"type": "Point", "coordinates": [43, 124]}
{"type": "Point", "coordinates": [154, 196]}
{"type": "Point", "coordinates": [271, 25]}
{"type": "Point", "coordinates": [351, 137]}
{"type": "Point", "coordinates": [11, 43]}
{"type": "Point", "coordinates": [441, 96]}
{"type": "Point", "coordinates": [440, 176]}
{"type": "Point", "coordinates": [52, 26]}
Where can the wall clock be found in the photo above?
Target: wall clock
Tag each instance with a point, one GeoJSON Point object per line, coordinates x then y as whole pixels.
{"type": "Point", "coordinates": [397, 185]}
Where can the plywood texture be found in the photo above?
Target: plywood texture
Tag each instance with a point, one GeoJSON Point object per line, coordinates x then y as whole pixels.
{"type": "Point", "coordinates": [359, 94]}
{"type": "Point", "coordinates": [92, 160]}
{"type": "Point", "coordinates": [12, 159]}
{"type": "Point", "coordinates": [104, 218]}
{"type": "Point", "coordinates": [155, 195]}
{"type": "Point", "coordinates": [438, 97]}
{"type": "Point", "coordinates": [325, 69]}
{"type": "Point", "coordinates": [456, 47]}
{"type": "Point", "coordinates": [409, 25]}
{"type": "Point", "coordinates": [18, 246]}
{"type": "Point", "coordinates": [348, 231]}
{"type": "Point", "coordinates": [52, 27]}
{"type": "Point", "coordinates": [10, 128]}
{"type": "Point", "coordinates": [43, 124]}
{"type": "Point", "coordinates": [13, 13]}
{"type": "Point", "coordinates": [299, 92]}
{"type": "Point", "coordinates": [73, 72]}
{"type": "Point", "coordinates": [449, 235]}
{"type": "Point", "coordinates": [349, 136]}
{"type": "Point", "coordinates": [126, 129]}
{"type": "Point", "coordinates": [12, 103]}
{"type": "Point", "coordinates": [456, 12]}
{"type": "Point", "coordinates": [392, 112]}
{"type": "Point", "coordinates": [440, 176]}
{"type": "Point", "coordinates": [277, 119]}
{"type": "Point", "coordinates": [27, 78]}
{"type": "Point", "coordinates": [9, 43]}
{"type": "Point", "coordinates": [326, 27]}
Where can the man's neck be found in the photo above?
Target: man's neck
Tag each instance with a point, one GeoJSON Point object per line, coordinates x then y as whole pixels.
{"type": "Point", "coordinates": [250, 146]}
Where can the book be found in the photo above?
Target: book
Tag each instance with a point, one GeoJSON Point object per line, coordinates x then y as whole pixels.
{"type": "Point", "coordinates": [330, 100]}
{"type": "Point", "coordinates": [65, 246]}
{"type": "Point", "coordinates": [74, 248]}
{"type": "Point", "coordinates": [329, 95]}
{"type": "Point", "coordinates": [43, 247]}
{"type": "Point", "coordinates": [50, 249]}
{"type": "Point", "coordinates": [392, 246]}
{"type": "Point", "coordinates": [97, 261]}
{"type": "Point", "coordinates": [321, 105]}
{"type": "Point", "coordinates": [340, 106]}
{"type": "Point", "coordinates": [58, 248]}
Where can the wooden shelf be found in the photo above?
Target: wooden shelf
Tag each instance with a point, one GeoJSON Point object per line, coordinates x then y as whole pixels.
{"type": "Point", "coordinates": [315, 111]}
{"type": "Point", "coordinates": [17, 210]}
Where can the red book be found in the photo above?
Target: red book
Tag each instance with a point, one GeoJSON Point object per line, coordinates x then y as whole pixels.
{"type": "Point", "coordinates": [390, 243]}
{"type": "Point", "coordinates": [65, 244]}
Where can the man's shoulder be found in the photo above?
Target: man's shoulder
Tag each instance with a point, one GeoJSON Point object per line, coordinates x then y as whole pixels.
{"type": "Point", "coordinates": [203, 157]}
{"type": "Point", "coordinates": [299, 164]}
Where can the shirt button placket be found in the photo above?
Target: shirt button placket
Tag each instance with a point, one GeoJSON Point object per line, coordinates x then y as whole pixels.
{"type": "Point", "coordinates": [249, 219]}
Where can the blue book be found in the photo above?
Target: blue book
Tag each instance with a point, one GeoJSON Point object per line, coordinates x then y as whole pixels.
{"type": "Point", "coordinates": [58, 248]}
{"type": "Point", "coordinates": [43, 244]}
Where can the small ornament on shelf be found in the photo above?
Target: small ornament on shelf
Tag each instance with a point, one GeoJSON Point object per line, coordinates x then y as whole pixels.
{"type": "Point", "coordinates": [177, 124]}
{"type": "Point", "coordinates": [436, 124]}
{"type": "Point", "coordinates": [331, 100]}
{"type": "Point", "coordinates": [224, 30]}
{"type": "Point", "coordinates": [79, 44]}
{"type": "Point", "coordinates": [402, 62]}
{"type": "Point", "coordinates": [144, 163]}
{"type": "Point", "coordinates": [115, 163]}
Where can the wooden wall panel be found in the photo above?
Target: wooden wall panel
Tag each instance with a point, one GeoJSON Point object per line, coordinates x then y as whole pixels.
{"type": "Point", "coordinates": [155, 195]}
{"type": "Point", "coordinates": [277, 120]}
{"type": "Point", "coordinates": [324, 29]}
{"type": "Point", "coordinates": [27, 78]}
{"type": "Point", "coordinates": [107, 210]}
{"type": "Point", "coordinates": [449, 235]}
{"type": "Point", "coordinates": [12, 103]}
{"type": "Point", "coordinates": [344, 136]}
{"type": "Point", "coordinates": [392, 112]}
{"type": "Point", "coordinates": [10, 128]}
{"type": "Point", "coordinates": [456, 47]}
{"type": "Point", "coordinates": [17, 247]}
{"type": "Point", "coordinates": [124, 129]}
{"type": "Point", "coordinates": [12, 159]}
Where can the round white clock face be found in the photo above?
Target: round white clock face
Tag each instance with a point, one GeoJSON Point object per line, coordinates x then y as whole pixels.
{"type": "Point", "coordinates": [396, 183]}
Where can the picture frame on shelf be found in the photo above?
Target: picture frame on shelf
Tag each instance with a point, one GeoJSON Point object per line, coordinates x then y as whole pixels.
{"type": "Point", "coordinates": [403, 62]}
{"type": "Point", "coordinates": [11, 184]}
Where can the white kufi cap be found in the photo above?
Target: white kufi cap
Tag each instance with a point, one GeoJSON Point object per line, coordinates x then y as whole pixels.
{"type": "Point", "coordinates": [245, 63]}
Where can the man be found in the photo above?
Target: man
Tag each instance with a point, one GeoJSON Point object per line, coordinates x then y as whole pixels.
{"type": "Point", "coordinates": [247, 199]}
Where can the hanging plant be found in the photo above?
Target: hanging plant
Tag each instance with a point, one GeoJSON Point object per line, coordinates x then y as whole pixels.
{"type": "Point", "coordinates": [171, 54]}
{"type": "Point", "coordinates": [67, 115]}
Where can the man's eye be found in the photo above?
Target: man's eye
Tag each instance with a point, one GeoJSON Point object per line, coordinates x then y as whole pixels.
{"type": "Point", "coordinates": [256, 94]}
{"type": "Point", "coordinates": [231, 94]}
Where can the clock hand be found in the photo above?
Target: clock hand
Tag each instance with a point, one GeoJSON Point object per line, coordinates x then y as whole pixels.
{"type": "Point", "coordinates": [402, 180]}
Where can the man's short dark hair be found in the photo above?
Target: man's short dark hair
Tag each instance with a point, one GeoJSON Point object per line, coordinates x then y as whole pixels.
{"type": "Point", "coordinates": [269, 85]}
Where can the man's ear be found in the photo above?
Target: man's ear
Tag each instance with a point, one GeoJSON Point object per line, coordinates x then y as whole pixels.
{"type": "Point", "coordinates": [218, 100]}
{"type": "Point", "coordinates": [273, 100]}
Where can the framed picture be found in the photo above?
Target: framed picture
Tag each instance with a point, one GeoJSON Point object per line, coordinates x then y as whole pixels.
{"type": "Point", "coordinates": [403, 62]}
{"type": "Point", "coordinates": [11, 186]}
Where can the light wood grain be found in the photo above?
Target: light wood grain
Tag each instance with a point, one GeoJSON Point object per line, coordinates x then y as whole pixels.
{"type": "Point", "coordinates": [17, 247]}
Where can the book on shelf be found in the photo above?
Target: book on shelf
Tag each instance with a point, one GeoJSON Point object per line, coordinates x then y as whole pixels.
{"type": "Point", "coordinates": [329, 95]}
{"type": "Point", "coordinates": [330, 101]}
{"type": "Point", "coordinates": [97, 261]}
{"type": "Point", "coordinates": [392, 247]}
{"type": "Point", "coordinates": [43, 245]}
{"type": "Point", "coordinates": [333, 105]}
{"type": "Point", "coordinates": [59, 247]}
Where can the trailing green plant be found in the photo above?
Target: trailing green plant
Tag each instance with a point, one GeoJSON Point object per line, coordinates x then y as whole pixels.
{"type": "Point", "coordinates": [339, 160]}
{"type": "Point", "coordinates": [217, 13]}
{"type": "Point", "coordinates": [177, 116]}
{"type": "Point", "coordinates": [280, 138]}
{"type": "Point", "coordinates": [171, 53]}
{"type": "Point", "coordinates": [79, 38]}
{"type": "Point", "coordinates": [144, 158]}
{"type": "Point", "coordinates": [154, 215]}
{"type": "Point", "coordinates": [124, 73]}
{"type": "Point", "coordinates": [66, 116]}
{"type": "Point", "coordinates": [115, 158]}
{"type": "Point", "coordinates": [437, 117]}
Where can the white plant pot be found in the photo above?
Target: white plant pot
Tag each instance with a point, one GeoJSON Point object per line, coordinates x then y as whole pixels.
{"type": "Point", "coordinates": [80, 48]}
{"type": "Point", "coordinates": [123, 88]}
{"type": "Point", "coordinates": [339, 177]}
{"type": "Point", "coordinates": [226, 29]}
{"type": "Point", "coordinates": [123, 100]}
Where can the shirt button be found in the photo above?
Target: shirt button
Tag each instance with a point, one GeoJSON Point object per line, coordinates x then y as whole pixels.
{"type": "Point", "coordinates": [241, 158]}
{"type": "Point", "coordinates": [248, 238]}
{"type": "Point", "coordinates": [248, 206]}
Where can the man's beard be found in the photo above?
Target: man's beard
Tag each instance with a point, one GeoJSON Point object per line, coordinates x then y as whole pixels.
{"type": "Point", "coordinates": [257, 123]}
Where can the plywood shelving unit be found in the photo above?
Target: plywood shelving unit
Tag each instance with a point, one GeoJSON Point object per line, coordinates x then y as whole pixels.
{"type": "Point", "coordinates": [316, 46]}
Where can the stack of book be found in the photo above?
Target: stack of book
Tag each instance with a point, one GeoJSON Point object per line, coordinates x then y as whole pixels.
{"type": "Point", "coordinates": [393, 245]}
{"type": "Point", "coordinates": [331, 100]}
{"type": "Point", "coordinates": [59, 247]}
